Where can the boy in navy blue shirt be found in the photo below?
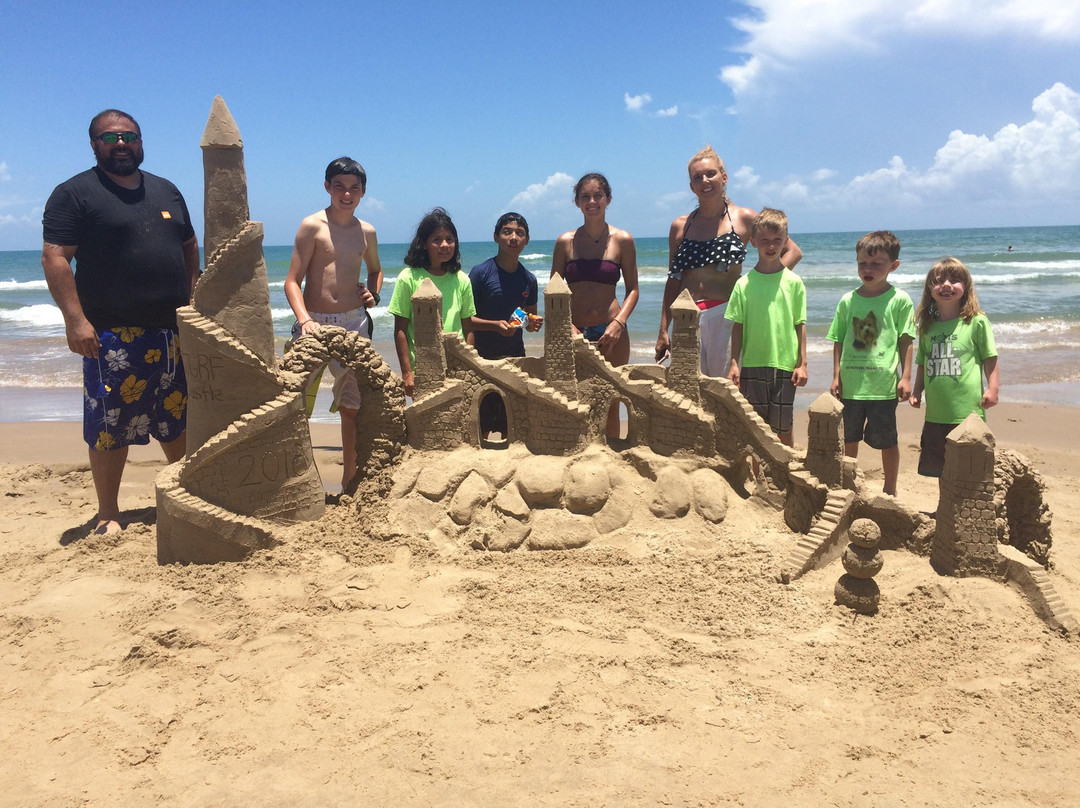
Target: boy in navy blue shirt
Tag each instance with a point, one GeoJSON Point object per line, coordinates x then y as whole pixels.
{"type": "Point", "coordinates": [500, 286]}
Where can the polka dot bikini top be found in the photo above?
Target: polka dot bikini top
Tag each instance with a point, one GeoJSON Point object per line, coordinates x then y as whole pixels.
{"type": "Point", "coordinates": [724, 249]}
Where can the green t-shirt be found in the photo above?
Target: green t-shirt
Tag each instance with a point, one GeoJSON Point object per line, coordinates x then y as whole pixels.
{"type": "Point", "coordinates": [869, 329]}
{"type": "Point", "coordinates": [769, 306]}
{"type": "Point", "coordinates": [952, 354]}
{"type": "Point", "coordinates": [457, 299]}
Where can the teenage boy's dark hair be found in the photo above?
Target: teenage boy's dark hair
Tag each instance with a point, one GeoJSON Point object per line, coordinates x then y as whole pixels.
{"type": "Point", "coordinates": [347, 165]}
{"type": "Point", "coordinates": [506, 218]}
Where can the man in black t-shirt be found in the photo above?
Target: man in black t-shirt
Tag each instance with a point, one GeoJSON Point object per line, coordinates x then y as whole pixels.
{"type": "Point", "coordinates": [136, 261]}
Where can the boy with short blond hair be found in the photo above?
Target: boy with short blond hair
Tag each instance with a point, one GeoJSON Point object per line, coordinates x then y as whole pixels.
{"type": "Point", "coordinates": [768, 333]}
{"type": "Point", "coordinates": [873, 333]}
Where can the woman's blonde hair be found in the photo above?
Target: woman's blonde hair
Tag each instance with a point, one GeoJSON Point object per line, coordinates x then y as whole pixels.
{"type": "Point", "coordinates": [708, 154]}
{"type": "Point", "coordinates": [951, 269]}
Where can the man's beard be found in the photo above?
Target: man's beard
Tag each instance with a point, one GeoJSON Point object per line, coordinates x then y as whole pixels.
{"type": "Point", "coordinates": [123, 166]}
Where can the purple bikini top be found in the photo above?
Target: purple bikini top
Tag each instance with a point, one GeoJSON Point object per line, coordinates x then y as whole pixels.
{"type": "Point", "coordinates": [598, 270]}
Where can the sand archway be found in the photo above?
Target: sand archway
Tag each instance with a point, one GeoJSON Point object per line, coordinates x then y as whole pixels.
{"type": "Point", "coordinates": [1022, 516]}
{"type": "Point", "coordinates": [380, 422]}
{"type": "Point", "coordinates": [492, 416]}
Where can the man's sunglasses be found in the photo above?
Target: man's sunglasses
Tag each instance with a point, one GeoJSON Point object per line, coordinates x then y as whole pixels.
{"type": "Point", "coordinates": [112, 138]}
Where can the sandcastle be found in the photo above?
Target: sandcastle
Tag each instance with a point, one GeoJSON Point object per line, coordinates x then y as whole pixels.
{"type": "Point", "coordinates": [250, 465]}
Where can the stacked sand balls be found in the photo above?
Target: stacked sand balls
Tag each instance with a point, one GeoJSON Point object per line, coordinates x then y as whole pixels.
{"type": "Point", "coordinates": [857, 589]}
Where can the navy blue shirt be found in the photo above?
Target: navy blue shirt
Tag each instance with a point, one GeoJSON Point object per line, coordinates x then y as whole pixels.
{"type": "Point", "coordinates": [497, 293]}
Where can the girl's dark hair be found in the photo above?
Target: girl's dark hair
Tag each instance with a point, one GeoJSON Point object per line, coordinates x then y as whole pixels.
{"type": "Point", "coordinates": [605, 186]}
{"type": "Point", "coordinates": [417, 256]}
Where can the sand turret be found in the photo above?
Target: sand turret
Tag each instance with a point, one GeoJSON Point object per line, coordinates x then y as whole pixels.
{"type": "Point", "coordinates": [825, 440]}
{"type": "Point", "coordinates": [249, 462]}
{"type": "Point", "coordinates": [234, 291]}
{"type": "Point", "coordinates": [559, 369]}
{"type": "Point", "coordinates": [682, 375]}
{"type": "Point", "coordinates": [965, 542]}
{"type": "Point", "coordinates": [429, 364]}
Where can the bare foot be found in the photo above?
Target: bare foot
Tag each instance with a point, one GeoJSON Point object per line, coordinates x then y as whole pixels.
{"type": "Point", "coordinates": [106, 526]}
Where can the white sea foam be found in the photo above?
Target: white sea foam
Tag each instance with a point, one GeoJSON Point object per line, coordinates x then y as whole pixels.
{"type": "Point", "coordinates": [1070, 264]}
{"type": "Point", "coordinates": [534, 256]}
{"type": "Point", "coordinates": [283, 314]}
{"type": "Point", "coordinates": [41, 314]}
{"type": "Point", "coordinates": [23, 286]}
{"type": "Point", "coordinates": [1037, 328]}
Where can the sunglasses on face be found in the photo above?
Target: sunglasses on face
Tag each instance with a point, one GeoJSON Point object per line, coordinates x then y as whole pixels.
{"type": "Point", "coordinates": [112, 138]}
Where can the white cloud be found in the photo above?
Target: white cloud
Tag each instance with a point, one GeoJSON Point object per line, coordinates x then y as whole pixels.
{"type": "Point", "coordinates": [744, 179]}
{"type": "Point", "coordinates": [670, 112]}
{"type": "Point", "coordinates": [783, 33]}
{"type": "Point", "coordinates": [5, 172]}
{"type": "Point", "coordinates": [635, 103]}
{"type": "Point", "coordinates": [558, 189]}
{"type": "Point", "coordinates": [7, 220]}
{"type": "Point", "coordinates": [372, 203]}
{"type": "Point", "coordinates": [676, 200]}
{"type": "Point", "coordinates": [1036, 163]}
{"type": "Point", "coordinates": [794, 191]}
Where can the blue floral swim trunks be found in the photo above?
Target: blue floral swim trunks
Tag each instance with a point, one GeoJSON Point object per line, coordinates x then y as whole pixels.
{"type": "Point", "coordinates": [134, 390]}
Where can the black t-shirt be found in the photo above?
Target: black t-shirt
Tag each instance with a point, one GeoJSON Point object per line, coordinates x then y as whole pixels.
{"type": "Point", "coordinates": [129, 263]}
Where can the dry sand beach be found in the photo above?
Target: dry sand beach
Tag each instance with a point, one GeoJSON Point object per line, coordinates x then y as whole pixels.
{"type": "Point", "coordinates": [661, 666]}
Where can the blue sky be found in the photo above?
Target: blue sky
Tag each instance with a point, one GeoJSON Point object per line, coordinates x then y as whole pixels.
{"type": "Point", "coordinates": [849, 116]}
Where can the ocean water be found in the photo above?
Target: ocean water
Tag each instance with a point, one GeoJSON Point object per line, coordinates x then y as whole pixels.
{"type": "Point", "coordinates": [1031, 294]}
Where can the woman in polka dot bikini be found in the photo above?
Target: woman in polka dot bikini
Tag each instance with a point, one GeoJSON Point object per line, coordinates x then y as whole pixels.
{"type": "Point", "coordinates": [706, 249]}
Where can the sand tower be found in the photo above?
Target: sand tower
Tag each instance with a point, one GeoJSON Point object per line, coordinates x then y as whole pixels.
{"type": "Point", "coordinates": [249, 461]}
{"type": "Point", "coordinates": [559, 368]}
{"type": "Point", "coordinates": [682, 374]}
{"type": "Point", "coordinates": [429, 363]}
{"type": "Point", "coordinates": [965, 542]}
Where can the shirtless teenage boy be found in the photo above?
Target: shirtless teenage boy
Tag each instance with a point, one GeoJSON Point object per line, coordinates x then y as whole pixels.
{"type": "Point", "coordinates": [330, 248]}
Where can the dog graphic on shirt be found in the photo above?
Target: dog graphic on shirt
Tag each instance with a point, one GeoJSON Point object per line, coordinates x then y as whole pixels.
{"type": "Point", "coordinates": [865, 332]}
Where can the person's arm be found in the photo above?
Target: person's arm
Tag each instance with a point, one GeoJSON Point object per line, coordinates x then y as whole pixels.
{"type": "Point", "coordinates": [618, 326]}
{"type": "Point", "coordinates": [303, 250]}
{"type": "Point", "coordinates": [791, 254]}
{"type": "Point", "coordinates": [558, 263]}
{"type": "Point", "coordinates": [671, 290]}
{"type": "Point", "coordinates": [799, 375]}
{"type": "Point", "coordinates": [836, 388]}
{"type": "Point", "coordinates": [81, 336]}
{"type": "Point", "coordinates": [502, 326]}
{"type": "Point", "coordinates": [736, 352]}
{"type": "Point", "coordinates": [907, 350]}
{"type": "Point", "coordinates": [990, 368]}
{"type": "Point", "coordinates": [371, 259]}
{"type": "Point", "coordinates": [401, 346]}
{"type": "Point", "coordinates": [558, 255]}
{"type": "Point", "coordinates": [191, 262]}
{"type": "Point", "coordinates": [917, 390]}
